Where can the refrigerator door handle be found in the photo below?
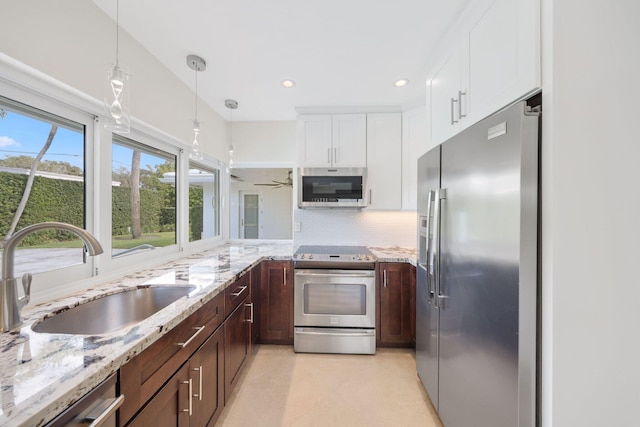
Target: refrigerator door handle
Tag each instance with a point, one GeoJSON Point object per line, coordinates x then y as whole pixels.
{"type": "Point", "coordinates": [430, 289]}
{"type": "Point", "coordinates": [440, 193]}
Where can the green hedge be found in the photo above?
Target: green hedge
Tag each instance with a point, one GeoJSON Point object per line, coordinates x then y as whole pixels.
{"type": "Point", "coordinates": [60, 200]}
{"type": "Point", "coordinates": [152, 219]}
{"type": "Point", "coordinates": [50, 200]}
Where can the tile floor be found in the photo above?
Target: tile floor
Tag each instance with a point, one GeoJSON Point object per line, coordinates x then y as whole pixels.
{"type": "Point", "coordinates": [280, 388]}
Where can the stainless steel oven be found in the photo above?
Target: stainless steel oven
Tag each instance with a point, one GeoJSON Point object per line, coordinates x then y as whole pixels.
{"type": "Point", "coordinates": [334, 300]}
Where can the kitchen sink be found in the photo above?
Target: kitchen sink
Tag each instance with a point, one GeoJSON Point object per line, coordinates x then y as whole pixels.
{"type": "Point", "coordinates": [112, 312]}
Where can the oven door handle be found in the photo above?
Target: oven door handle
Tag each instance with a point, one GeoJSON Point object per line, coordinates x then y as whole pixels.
{"type": "Point", "coordinates": [336, 334]}
{"type": "Point", "coordinates": [359, 274]}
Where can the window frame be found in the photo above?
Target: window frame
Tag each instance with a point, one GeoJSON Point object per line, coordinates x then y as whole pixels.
{"type": "Point", "coordinates": [47, 285]}
{"type": "Point", "coordinates": [29, 86]}
{"type": "Point", "coordinates": [219, 168]}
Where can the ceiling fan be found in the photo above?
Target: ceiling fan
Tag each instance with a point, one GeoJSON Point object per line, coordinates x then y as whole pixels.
{"type": "Point", "coordinates": [288, 182]}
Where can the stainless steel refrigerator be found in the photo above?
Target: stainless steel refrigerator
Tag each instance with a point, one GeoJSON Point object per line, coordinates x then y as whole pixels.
{"type": "Point", "coordinates": [477, 285]}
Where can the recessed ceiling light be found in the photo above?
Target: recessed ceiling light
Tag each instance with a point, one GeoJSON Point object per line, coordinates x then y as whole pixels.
{"type": "Point", "coordinates": [288, 83]}
{"type": "Point", "coordinates": [401, 82]}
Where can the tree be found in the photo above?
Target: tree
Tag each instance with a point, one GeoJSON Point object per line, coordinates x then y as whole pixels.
{"type": "Point", "coordinates": [136, 229]}
{"type": "Point", "coordinates": [29, 184]}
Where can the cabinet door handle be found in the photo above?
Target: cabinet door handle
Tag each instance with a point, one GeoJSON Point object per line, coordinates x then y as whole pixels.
{"type": "Point", "coordinates": [329, 156]}
{"type": "Point", "coordinates": [200, 391]}
{"type": "Point", "coordinates": [186, 343]}
{"type": "Point", "coordinates": [460, 93]}
{"type": "Point", "coordinates": [190, 409]}
{"type": "Point", "coordinates": [453, 101]}
{"type": "Point", "coordinates": [335, 155]}
{"type": "Point", "coordinates": [284, 275]}
{"type": "Point", "coordinates": [250, 305]}
{"type": "Point", "coordinates": [110, 410]}
{"type": "Point", "coordinates": [237, 293]}
{"type": "Point", "coordinates": [370, 196]}
{"type": "Point", "coordinates": [384, 278]}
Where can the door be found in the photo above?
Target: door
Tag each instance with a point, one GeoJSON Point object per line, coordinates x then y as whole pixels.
{"type": "Point", "coordinates": [384, 160]}
{"type": "Point", "coordinates": [481, 331]}
{"type": "Point", "coordinates": [314, 135]}
{"type": "Point", "coordinates": [250, 216]}
{"type": "Point", "coordinates": [171, 406]}
{"type": "Point", "coordinates": [395, 283]}
{"type": "Point", "coordinates": [427, 313]}
{"type": "Point", "coordinates": [276, 302]}
{"type": "Point", "coordinates": [445, 84]}
{"type": "Point", "coordinates": [236, 346]}
{"type": "Point", "coordinates": [206, 369]}
{"type": "Point", "coordinates": [349, 141]}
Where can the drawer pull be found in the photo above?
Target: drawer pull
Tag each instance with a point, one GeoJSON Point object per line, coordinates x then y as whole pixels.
{"type": "Point", "coordinates": [186, 343]}
{"type": "Point", "coordinates": [199, 394]}
{"type": "Point", "coordinates": [237, 293]}
{"type": "Point", "coordinates": [251, 306]}
{"type": "Point", "coordinates": [111, 409]}
{"type": "Point", "coordinates": [190, 409]}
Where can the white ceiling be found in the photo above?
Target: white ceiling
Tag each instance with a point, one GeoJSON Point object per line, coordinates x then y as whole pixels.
{"type": "Point", "coordinates": [341, 53]}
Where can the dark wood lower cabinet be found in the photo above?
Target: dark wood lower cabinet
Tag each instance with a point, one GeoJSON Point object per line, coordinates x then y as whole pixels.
{"type": "Point", "coordinates": [170, 406]}
{"type": "Point", "coordinates": [206, 371]}
{"type": "Point", "coordinates": [276, 302]}
{"type": "Point", "coordinates": [254, 300]}
{"type": "Point", "coordinates": [237, 344]}
{"type": "Point", "coordinates": [396, 304]}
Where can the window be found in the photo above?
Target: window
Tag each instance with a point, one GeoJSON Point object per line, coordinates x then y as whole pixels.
{"type": "Point", "coordinates": [54, 147]}
{"type": "Point", "coordinates": [143, 201]}
{"type": "Point", "coordinates": [204, 202]}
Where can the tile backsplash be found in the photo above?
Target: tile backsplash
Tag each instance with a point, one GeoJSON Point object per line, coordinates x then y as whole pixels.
{"type": "Point", "coordinates": [354, 227]}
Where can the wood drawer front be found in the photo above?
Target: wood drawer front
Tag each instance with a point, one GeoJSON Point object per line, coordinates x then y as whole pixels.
{"type": "Point", "coordinates": [145, 374]}
{"type": "Point", "coordinates": [236, 293]}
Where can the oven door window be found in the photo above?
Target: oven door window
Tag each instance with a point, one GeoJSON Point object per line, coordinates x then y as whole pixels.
{"type": "Point", "coordinates": [335, 299]}
{"type": "Point", "coordinates": [331, 188]}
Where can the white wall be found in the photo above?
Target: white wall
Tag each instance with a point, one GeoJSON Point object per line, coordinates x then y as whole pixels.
{"type": "Point", "coordinates": [590, 218]}
{"type": "Point", "coordinates": [74, 41]}
{"type": "Point", "coordinates": [264, 143]}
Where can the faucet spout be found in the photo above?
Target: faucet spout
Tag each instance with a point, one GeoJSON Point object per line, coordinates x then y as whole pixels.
{"type": "Point", "coordinates": [10, 304]}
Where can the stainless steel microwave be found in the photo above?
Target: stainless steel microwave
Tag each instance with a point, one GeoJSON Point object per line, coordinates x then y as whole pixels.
{"type": "Point", "coordinates": [332, 188]}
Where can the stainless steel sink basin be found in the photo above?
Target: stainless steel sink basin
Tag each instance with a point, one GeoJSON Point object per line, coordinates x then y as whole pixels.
{"type": "Point", "coordinates": [112, 312]}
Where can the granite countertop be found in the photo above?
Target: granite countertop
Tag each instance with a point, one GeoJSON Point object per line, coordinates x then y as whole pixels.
{"type": "Point", "coordinates": [42, 374]}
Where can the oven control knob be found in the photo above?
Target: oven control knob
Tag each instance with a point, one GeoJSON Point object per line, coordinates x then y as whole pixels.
{"type": "Point", "coordinates": [310, 256]}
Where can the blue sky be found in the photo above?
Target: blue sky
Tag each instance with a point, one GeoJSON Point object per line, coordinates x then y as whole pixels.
{"type": "Point", "coordinates": [23, 135]}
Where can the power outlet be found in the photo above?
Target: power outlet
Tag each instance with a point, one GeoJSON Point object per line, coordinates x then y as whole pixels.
{"type": "Point", "coordinates": [296, 227]}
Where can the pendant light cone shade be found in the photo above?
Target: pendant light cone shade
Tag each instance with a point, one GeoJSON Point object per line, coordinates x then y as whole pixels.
{"type": "Point", "coordinates": [197, 64]}
{"type": "Point", "coordinates": [116, 92]}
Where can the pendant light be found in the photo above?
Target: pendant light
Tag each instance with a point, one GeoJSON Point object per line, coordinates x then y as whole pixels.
{"type": "Point", "coordinates": [231, 104]}
{"type": "Point", "coordinates": [117, 89]}
{"type": "Point", "coordinates": [197, 64]}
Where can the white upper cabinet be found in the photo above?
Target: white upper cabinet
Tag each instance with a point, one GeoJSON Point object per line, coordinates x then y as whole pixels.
{"type": "Point", "coordinates": [415, 142]}
{"type": "Point", "coordinates": [449, 101]}
{"type": "Point", "coordinates": [493, 61]}
{"type": "Point", "coordinates": [326, 140]}
{"type": "Point", "coordinates": [384, 161]}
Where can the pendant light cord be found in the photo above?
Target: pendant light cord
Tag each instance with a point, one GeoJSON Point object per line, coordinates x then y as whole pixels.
{"type": "Point", "coordinates": [196, 68]}
{"type": "Point", "coordinates": [117, 29]}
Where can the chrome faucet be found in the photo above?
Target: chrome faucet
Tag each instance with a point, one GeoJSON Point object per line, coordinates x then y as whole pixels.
{"type": "Point", "coordinates": [10, 303]}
